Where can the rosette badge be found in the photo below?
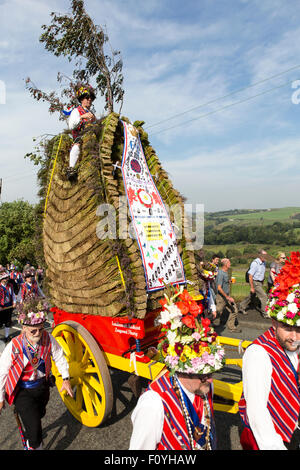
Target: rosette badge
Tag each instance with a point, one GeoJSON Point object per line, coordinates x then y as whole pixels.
{"type": "Point", "coordinates": [189, 344]}
{"type": "Point", "coordinates": [33, 312]}
{"type": "Point", "coordinates": [284, 298]}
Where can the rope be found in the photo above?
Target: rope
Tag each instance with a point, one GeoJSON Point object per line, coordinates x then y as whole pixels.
{"type": "Point", "coordinates": [121, 274]}
{"type": "Point", "coordinates": [52, 173]}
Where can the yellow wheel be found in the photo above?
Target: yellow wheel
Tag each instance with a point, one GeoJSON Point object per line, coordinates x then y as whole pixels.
{"type": "Point", "coordinates": [89, 375]}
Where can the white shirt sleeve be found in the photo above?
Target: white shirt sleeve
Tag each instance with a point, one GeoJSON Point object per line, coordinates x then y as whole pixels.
{"type": "Point", "coordinates": [5, 364]}
{"type": "Point", "coordinates": [148, 420]}
{"type": "Point", "coordinates": [58, 356]}
{"type": "Point", "coordinates": [74, 119]}
{"type": "Point", "coordinates": [257, 371]}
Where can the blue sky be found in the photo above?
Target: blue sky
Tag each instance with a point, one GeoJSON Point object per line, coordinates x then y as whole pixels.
{"type": "Point", "coordinates": [212, 80]}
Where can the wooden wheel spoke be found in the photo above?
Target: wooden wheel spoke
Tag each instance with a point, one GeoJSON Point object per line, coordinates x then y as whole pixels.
{"type": "Point", "coordinates": [90, 369]}
{"type": "Point", "coordinates": [87, 398]}
{"type": "Point", "coordinates": [61, 341]}
{"type": "Point", "coordinates": [86, 356]}
{"type": "Point", "coordinates": [78, 349]}
{"type": "Point", "coordinates": [69, 338]}
{"type": "Point", "coordinates": [78, 398]}
{"type": "Point", "coordinates": [91, 381]}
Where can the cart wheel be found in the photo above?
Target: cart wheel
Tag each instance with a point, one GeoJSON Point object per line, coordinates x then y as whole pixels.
{"type": "Point", "coordinates": [89, 375]}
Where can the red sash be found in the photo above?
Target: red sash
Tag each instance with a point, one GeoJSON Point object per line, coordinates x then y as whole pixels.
{"type": "Point", "coordinates": [76, 132]}
{"type": "Point", "coordinates": [17, 367]}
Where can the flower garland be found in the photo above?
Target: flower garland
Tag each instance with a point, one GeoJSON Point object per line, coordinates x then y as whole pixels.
{"type": "Point", "coordinates": [284, 298]}
{"type": "Point", "coordinates": [189, 344]}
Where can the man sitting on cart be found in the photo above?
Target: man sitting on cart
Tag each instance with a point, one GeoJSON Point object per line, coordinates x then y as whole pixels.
{"type": "Point", "coordinates": [79, 117]}
{"type": "Point", "coordinates": [175, 412]}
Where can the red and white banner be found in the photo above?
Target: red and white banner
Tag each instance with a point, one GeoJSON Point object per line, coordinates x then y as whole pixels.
{"type": "Point", "coordinates": [150, 219]}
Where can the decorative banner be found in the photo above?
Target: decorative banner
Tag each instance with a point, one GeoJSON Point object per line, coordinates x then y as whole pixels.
{"type": "Point", "coordinates": [150, 220]}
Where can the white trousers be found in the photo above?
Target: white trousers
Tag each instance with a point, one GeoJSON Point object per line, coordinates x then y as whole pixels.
{"type": "Point", "coordinates": [74, 155]}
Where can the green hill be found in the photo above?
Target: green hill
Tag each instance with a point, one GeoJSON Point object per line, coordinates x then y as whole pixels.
{"type": "Point", "coordinates": [253, 216]}
{"type": "Point", "coordinates": [280, 227]}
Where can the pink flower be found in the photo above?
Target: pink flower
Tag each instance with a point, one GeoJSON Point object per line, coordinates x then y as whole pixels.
{"type": "Point", "coordinates": [290, 315]}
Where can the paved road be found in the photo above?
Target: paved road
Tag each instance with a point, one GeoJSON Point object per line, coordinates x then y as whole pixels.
{"type": "Point", "coordinates": [63, 432]}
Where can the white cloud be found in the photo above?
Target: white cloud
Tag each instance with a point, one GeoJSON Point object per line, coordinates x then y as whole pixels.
{"type": "Point", "coordinates": [177, 57]}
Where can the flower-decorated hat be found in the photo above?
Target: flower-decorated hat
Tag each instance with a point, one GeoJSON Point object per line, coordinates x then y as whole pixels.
{"type": "Point", "coordinates": [85, 90]}
{"type": "Point", "coordinates": [208, 271]}
{"type": "Point", "coordinates": [284, 298]}
{"type": "Point", "coordinates": [189, 344]}
{"type": "Point", "coordinates": [33, 311]}
{"type": "Point", "coordinates": [4, 275]}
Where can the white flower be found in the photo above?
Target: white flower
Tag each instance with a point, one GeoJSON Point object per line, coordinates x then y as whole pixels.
{"type": "Point", "coordinates": [164, 317]}
{"type": "Point", "coordinates": [173, 311]}
{"type": "Point", "coordinates": [298, 322]}
{"type": "Point", "coordinates": [171, 314]}
{"type": "Point", "coordinates": [293, 308]}
{"type": "Point", "coordinates": [280, 316]}
{"type": "Point", "coordinates": [186, 339]}
{"type": "Point", "coordinates": [206, 370]}
{"type": "Point", "coordinates": [175, 323]}
{"type": "Point", "coordinates": [171, 335]}
{"type": "Point", "coordinates": [290, 298]}
{"type": "Point", "coordinates": [284, 311]}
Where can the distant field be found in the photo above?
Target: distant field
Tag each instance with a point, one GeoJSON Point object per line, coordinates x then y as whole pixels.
{"type": "Point", "coordinates": [271, 250]}
{"type": "Point", "coordinates": [240, 289]}
{"type": "Point", "coordinates": [268, 216]}
{"type": "Point", "coordinates": [247, 251]}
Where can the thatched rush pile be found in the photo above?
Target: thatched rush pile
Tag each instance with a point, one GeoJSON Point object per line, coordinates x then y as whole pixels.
{"type": "Point", "coordinates": [85, 274]}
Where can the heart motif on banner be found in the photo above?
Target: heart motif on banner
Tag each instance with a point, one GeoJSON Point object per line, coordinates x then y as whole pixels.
{"type": "Point", "coordinates": [161, 248]}
{"type": "Point", "coordinates": [171, 235]}
{"type": "Point", "coordinates": [161, 279]}
{"type": "Point", "coordinates": [151, 265]}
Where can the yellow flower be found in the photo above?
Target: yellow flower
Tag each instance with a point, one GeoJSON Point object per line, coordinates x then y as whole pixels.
{"type": "Point", "coordinates": [188, 352]}
{"type": "Point", "coordinates": [183, 358]}
{"type": "Point", "coordinates": [171, 351]}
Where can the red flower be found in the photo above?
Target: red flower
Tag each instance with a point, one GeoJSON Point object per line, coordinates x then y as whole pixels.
{"type": "Point", "coordinates": [183, 307]}
{"type": "Point", "coordinates": [189, 321]}
{"type": "Point", "coordinates": [205, 322]}
{"type": "Point", "coordinates": [163, 302]}
{"type": "Point", "coordinates": [194, 308]}
{"type": "Point", "coordinates": [178, 348]}
{"type": "Point", "coordinates": [185, 296]}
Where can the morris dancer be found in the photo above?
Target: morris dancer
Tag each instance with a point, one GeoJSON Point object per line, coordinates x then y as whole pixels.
{"type": "Point", "coordinates": [270, 403]}
{"type": "Point", "coordinates": [25, 366]}
{"type": "Point", "coordinates": [7, 303]}
{"type": "Point", "coordinates": [79, 117]}
{"type": "Point", "coordinates": [16, 278]}
{"type": "Point", "coordinates": [30, 287]}
{"type": "Point", "coordinates": [176, 411]}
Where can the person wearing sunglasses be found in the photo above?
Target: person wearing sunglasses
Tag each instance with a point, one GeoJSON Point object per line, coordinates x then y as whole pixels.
{"type": "Point", "coordinates": [176, 410]}
{"type": "Point", "coordinates": [275, 268]}
{"type": "Point", "coordinates": [25, 369]}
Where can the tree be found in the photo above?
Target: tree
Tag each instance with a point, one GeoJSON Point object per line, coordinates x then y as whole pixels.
{"type": "Point", "coordinates": [76, 37]}
{"type": "Point", "coordinates": [17, 232]}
